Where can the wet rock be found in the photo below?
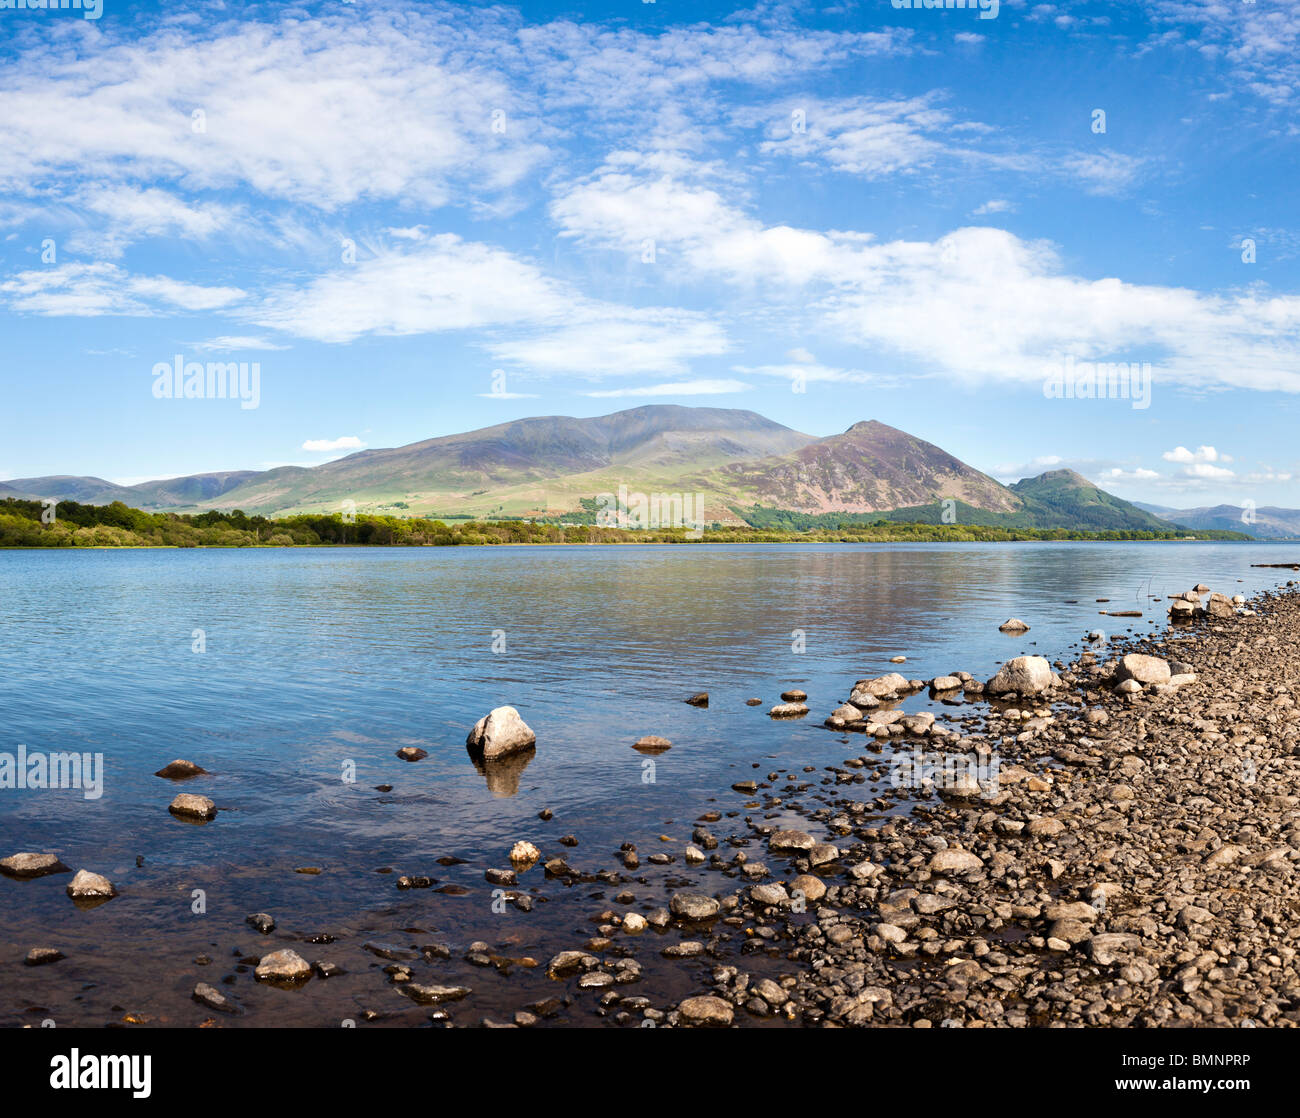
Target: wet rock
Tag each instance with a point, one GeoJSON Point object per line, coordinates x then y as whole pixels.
{"type": "Point", "coordinates": [1013, 625]}
{"type": "Point", "coordinates": [189, 806]}
{"type": "Point", "coordinates": [412, 753]}
{"type": "Point", "coordinates": [634, 923]}
{"type": "Point", "coordinates": [789, 710]}
{"type": "Point", "coordinates": [28, 865]}
{"type": "Point", "coordinates": [261, 921]}
{"type": "Point", "coordinates": [214, 999]}
{"type": "Point", "coordinates": [524, 855]}
{"type": "Point", "coordinates": [180, 770]}
{"type": "Point", "coordinates": [652, 744]}
{"type": "Point", "coordinates": [794, 696]}
{"type": "Point", "coordinates": [567, 962]}
{"type": "Point", "coordinates": [90, 885]}
{"type": "Point", "coordinates": [945, 683]}
{"type": "Point", "coordinates": [699, 699]}
{"type": "Point", "coordinates": [500, 733]}
{"type": "Point", "coordinates": [693, 906]}
{"type": "Point", "coordinates": [810, 888]}
{"type": "Point", "coordinates": [40, 956]}
{"type": "Point", "coordinates": [432, 994]}
{"type": "Point", "coordinates": [285, 967]}
{"type": "Point", "coordinates": [791, 841]}
{"type": "Point", "coordinates": [705, 1010]}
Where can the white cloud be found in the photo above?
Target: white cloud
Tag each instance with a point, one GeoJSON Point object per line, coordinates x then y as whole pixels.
{"type": "Point", "coordinates": [995, 206]}
{"type": "Point", "coordinates": [231, 342]}
{"type": "Point", "coordinates": [1200, 454]}
{"type": "Point", "coordinates": [90, 290]}
{"type": "Point", "coordinates": [1008, 307]}
{"type": "Point", "coordinates": [344, 442]}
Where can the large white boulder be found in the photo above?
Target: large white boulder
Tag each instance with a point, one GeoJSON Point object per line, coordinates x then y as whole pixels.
{"type": "Point", "coordinates": [499, 733]}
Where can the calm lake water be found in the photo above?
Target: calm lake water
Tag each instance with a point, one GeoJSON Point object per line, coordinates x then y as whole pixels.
{"type": "Point", "coordinates": [316, 660]}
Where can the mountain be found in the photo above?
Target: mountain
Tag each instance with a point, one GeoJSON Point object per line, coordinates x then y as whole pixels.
{"type": "Point", "coordinates": [1064, 499]}
{"type": "Point", "coordinates": [746, 468]}
{"type": "Point", "coordinates": [871, 467]}
{"type": "Point", "coordinates": [1268, 523]}
{"type": "Point", "coordinates": [65, 487]}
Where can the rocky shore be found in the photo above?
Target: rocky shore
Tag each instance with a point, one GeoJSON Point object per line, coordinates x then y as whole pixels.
{"type": "Point", "coordinates": [1110, 841]}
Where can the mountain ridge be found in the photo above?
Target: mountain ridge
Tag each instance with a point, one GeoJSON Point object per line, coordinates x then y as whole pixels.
{"type": "Point", "coordinates": [553, 466]}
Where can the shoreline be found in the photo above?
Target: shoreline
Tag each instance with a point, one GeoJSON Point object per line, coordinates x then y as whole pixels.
{"type": "Point", "coordinates": [1129, 869]}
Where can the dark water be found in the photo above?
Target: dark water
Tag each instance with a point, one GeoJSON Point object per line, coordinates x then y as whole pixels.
{"type": "Point", "coordinates": [317, 660]}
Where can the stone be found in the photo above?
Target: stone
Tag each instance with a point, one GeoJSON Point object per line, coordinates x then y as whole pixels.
{"type": "Point", "coordinates": [263, 922]}
{"type": "Point", "coordinates": [953, 860]}
{"type": "Point", "coordinates": [634, 923]}
{"type": "Point", "coordinates": [40, 956]}
{"type": "Point", "coordinates": [773, 895]}
{"type": "Point", "coordinates": [705, 1010]}
{"type": "Point", "coordinates": [285, 966]}
{"type": "Point", "coordinates": [189, 806]}
{"type": "Point", "coordinates": [433, 994]}
{"type": "Point", "coordinates": [844, 715]}
{"type": "Point", "coordinates": [1143, 669]}
{"type": "Point", "coordinates": [214, 998]}
{"type": "Point", "coordinates": [808, 887]}
{"type": "Point", "coordinates": [693, 906]}
{"type": "Point", "coordinates": [699, 699]}
{"type": "Point", "coordinates": [882, 687]}
{"type": "Point", "coordinates": [412, 753]}
{"type": "Point", "coordinates": [499, 733]}
{"type": "Point", "coordinates": [794, 696]}
{"type": "Point", "coordinates": [788, 710]}
{"type": "Point", "coordinates": [1013, 625]}
{"type": "Point", "coordinates": [87, 884]}
{"type": "Point", "coordinates": [1110, 947]}
{"type": "Point", "coordinates": [652, 744]}
{"type": "Point", "coordinates": [1024, 675]}
{"type": "Point", "coordinates": [524, 854]}
{"type": "Point", "coordinates": [945, 683]}
{"type": "Point", "coordinates": [791, 840]}
{"type": "Point", "coordinates": [180, 770]}
{"type": "Point", "coordinates": [28, 865]}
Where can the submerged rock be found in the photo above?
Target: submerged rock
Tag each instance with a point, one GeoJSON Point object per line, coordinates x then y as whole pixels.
{"type": "Point", "coordinates": [189, 806]}
{"type": "Point", "coordinates": [180, 770]}
{"type": "Point", "coordinates": [412, 753]}
{"type": "Point", "coordinates": [788, 710]}
{"type": "Point", "coordinates": [87, 884]}
{"type": "Point", "coordinates": [28, 865]}
{"type": "Point", "coordinates": [40, 956]}
{"type": "Point", "coordinates": [1013, 625]}
{"type": "Point", "coordinates": [285, 966]}
{"type": "Point", "coordinates": [500, 733]}
{"type": "Point", "coordinates": [705, 1010]}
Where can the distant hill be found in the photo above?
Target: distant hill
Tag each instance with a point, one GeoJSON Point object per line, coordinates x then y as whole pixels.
{"type": "Point", "coordinates": [745, 467]}
{"type": "Point", "coordinates": [871, 467]}
{"type": "Point", "coordinates": [1268, 523]}
{"type": "Point", "coordinates": [1064, 499]}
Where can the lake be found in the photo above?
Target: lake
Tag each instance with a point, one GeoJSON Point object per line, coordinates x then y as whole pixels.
{"type": "Point", "coordinates": [284, 672]}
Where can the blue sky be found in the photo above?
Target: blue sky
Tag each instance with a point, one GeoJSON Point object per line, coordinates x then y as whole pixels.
{"type": "Point", "coordinates": [423, 218]}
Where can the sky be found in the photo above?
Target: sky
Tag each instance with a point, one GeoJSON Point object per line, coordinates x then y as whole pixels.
{"type": "Point", "coordinates": [415, 219]}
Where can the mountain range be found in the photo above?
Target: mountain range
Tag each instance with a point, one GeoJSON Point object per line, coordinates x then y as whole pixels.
{"type": "Point", "coordinates": [553, 466]}
{"type": "Point", "coordinates": [1266, 523]}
